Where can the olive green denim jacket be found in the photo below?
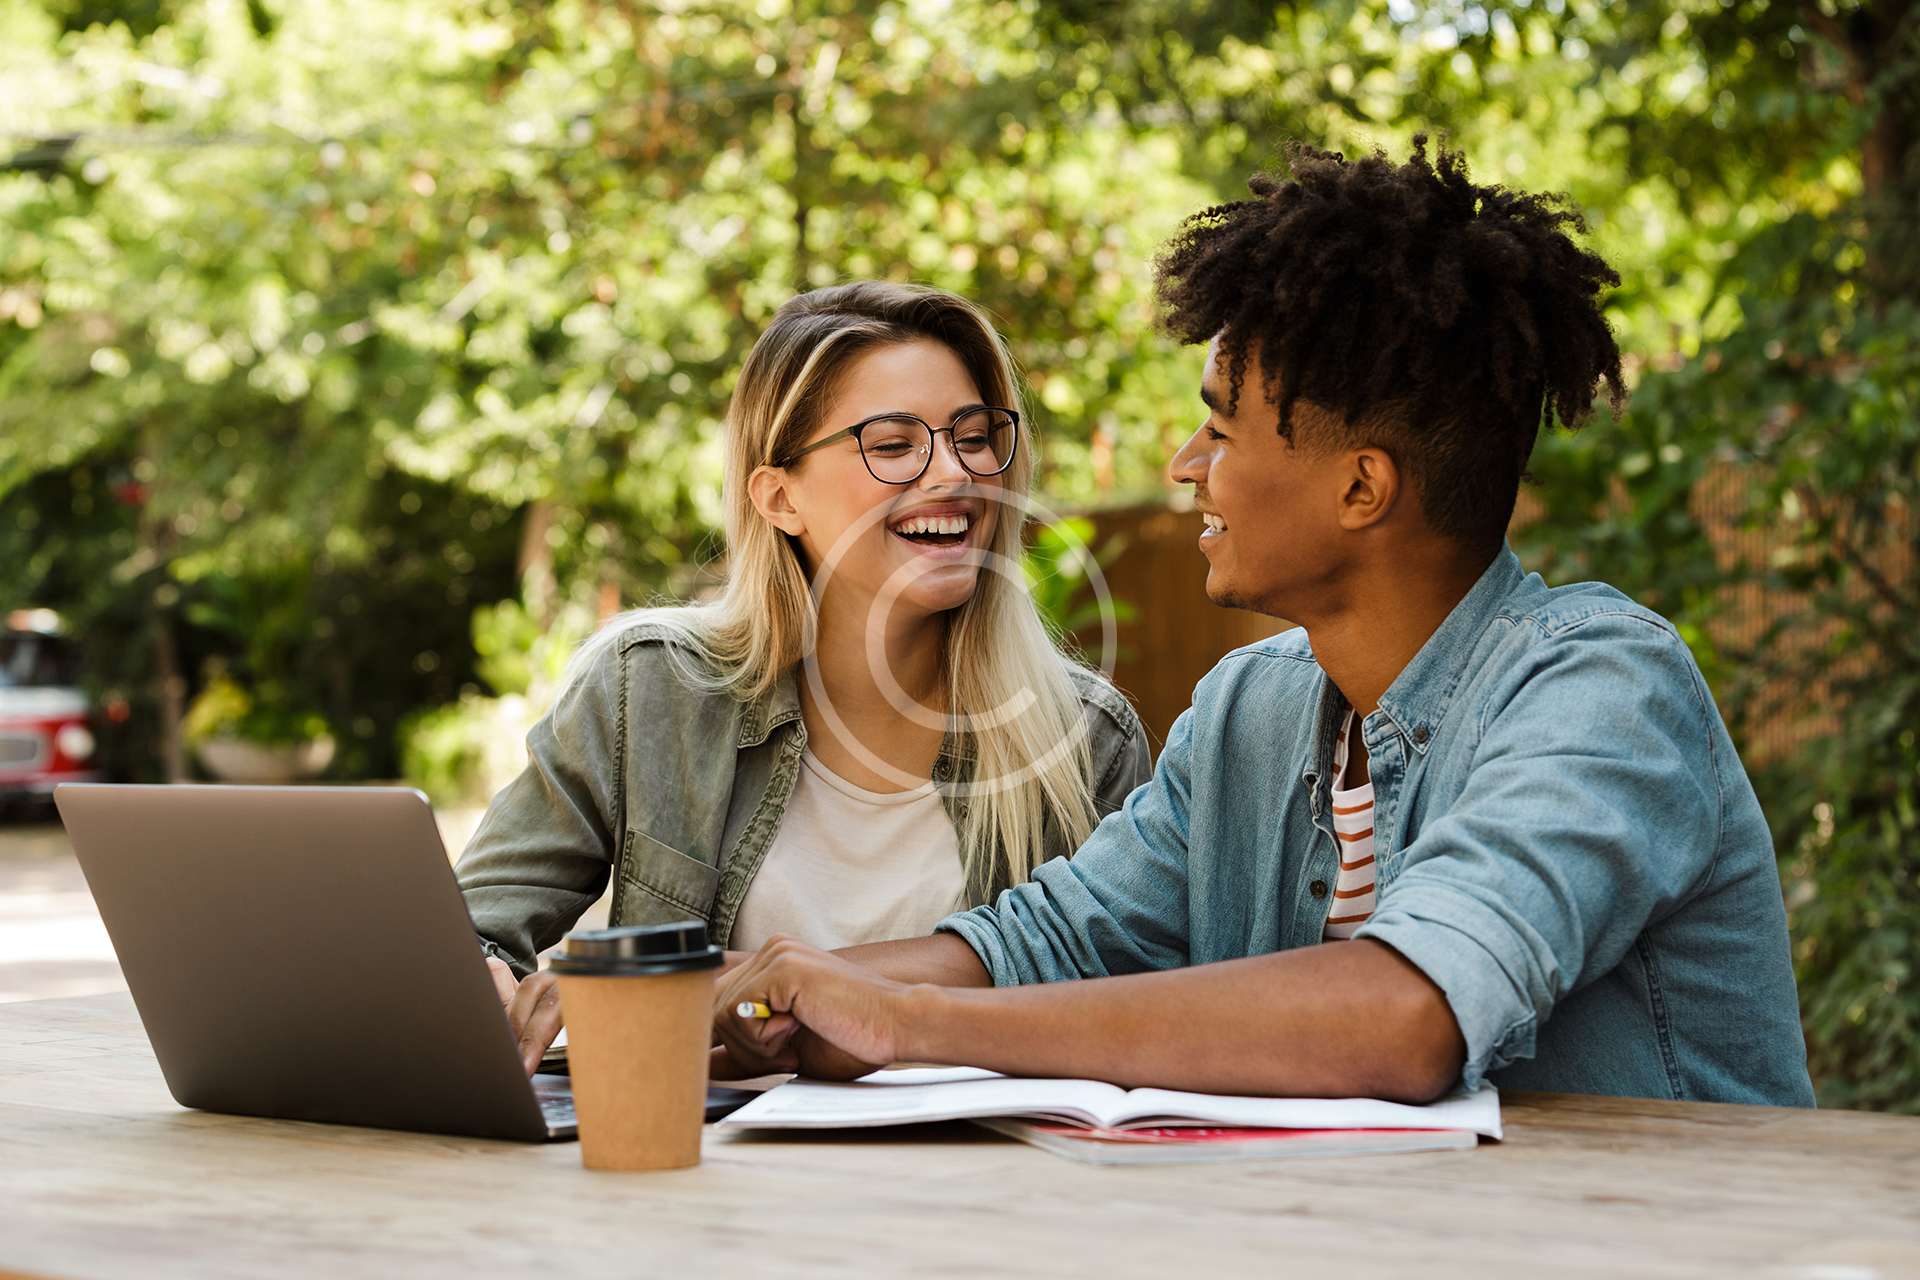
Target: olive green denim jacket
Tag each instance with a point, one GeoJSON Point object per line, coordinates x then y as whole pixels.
{"type": "Point", "coordinates": [675, 794]}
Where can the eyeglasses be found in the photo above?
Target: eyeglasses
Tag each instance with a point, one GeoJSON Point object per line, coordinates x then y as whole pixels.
{"type": "Point", "coordinates": [898, 447]}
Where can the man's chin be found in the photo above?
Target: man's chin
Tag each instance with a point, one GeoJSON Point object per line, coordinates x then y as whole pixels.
{"type": "Point", "coordinates": [1221, 592]}
{"type": "Point", "coordinates": [1231, 599]}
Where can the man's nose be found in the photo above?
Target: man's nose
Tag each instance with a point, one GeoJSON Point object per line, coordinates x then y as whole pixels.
{"type": "Point", "coordinates": [1186, 466]}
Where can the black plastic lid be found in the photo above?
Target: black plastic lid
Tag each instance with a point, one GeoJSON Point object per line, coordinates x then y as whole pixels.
{"type": "Point", "coordinates": [639, 948]}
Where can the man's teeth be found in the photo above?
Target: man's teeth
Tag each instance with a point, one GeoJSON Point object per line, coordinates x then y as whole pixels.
{"type": "Point", "coordinates": [933, 524]}
{"type": "Point", "coordinates": [1213, 522]}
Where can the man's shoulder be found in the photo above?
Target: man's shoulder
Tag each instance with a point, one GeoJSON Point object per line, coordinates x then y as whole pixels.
{"type": "Point", "coordinates": [1285, 653]}
{"type": "Point", "coordinates": [1593, 607]}
{"type": "Point", "coordinates": [1584, 622]}
{"type": "Point", "coordinates": [1280, 667]}
{"type": "Point", "coordinates": [1583, 651]}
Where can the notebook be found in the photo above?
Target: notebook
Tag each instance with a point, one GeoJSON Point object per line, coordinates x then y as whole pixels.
{"type": "Point", "coordinates": [1174, 1145]}
{"type": "Point", "coordinates": [1053, 1108]}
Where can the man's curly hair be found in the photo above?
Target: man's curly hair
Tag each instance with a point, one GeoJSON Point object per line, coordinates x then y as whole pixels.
{"type": "Point", "coordinates": [1436, 319]}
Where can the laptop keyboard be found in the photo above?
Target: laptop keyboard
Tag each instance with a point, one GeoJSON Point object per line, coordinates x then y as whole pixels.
{"type": "Point", "coordinates": [556, 1100]}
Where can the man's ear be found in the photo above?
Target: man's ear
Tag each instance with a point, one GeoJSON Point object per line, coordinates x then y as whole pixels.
{"type": "Point", "coordinates": [767, 489]}
{"type": "Point", "coordinates": [1373, 487]}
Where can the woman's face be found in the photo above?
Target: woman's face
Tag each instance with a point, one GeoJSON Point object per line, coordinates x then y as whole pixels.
{"type": "Point", "coordinates": [917, 543]}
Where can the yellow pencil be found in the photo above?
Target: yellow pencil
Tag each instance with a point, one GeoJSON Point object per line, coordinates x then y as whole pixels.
{"type": "Point", "coordinates": [752, 1009]}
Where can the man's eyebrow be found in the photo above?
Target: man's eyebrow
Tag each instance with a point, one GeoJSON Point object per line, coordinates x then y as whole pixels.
{"type": "Point", "coordinates": [1211, 398]}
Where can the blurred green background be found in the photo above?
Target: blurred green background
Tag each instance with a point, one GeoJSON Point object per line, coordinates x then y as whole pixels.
{"type": "Point", "coordinates": [356, 357]}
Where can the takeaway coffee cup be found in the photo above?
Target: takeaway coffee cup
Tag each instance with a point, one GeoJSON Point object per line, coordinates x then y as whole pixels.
{"type": "Point", "coordinates": [639, 1008]}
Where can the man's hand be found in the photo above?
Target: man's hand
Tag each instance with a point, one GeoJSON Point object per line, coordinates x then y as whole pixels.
{"type": "Point", "coordinates": [832, 1019]}
{"type": "Point", "coordinates": [533, 1009]}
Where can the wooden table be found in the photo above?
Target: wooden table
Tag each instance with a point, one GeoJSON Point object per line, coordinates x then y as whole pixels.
{"type": "Point", "coordinates": [101, 1174]}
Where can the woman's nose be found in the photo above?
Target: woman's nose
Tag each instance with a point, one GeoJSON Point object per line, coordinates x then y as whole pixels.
{"type": "Point", "coordinates": [944, 467]}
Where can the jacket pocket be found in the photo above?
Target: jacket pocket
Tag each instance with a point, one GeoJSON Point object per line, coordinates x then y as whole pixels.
{"type": "Point", "coordinates": [659, 884]}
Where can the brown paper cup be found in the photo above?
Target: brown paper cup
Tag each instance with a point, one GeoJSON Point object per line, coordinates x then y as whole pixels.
{"type": "Point", "coordinates": [637, 1053]}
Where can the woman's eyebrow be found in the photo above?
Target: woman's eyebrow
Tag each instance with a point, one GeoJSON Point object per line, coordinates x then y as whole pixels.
{"type": "Point", "coordinates": [957, 414]}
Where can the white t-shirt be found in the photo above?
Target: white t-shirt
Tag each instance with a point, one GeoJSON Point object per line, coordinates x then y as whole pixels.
{"type": "Point", "coordinates": [850, 866]}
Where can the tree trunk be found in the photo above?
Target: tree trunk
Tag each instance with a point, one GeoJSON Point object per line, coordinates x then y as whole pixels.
{"type": "Point", "coordinates": [1885, 81]}
{"type": "Point", "coordinates": [801, 209]}
{"type": "Point", "coordinates": [537, 585]}
{"type": "Point", "coordinates": [154, 540]}
{"type": "Point", "coordinates": [172, 688]}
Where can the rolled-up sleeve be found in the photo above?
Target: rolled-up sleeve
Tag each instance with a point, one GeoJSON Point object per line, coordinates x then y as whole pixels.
{"type": "Point", "coordinates": [1592, 805]}
{"type": "Point", "coordinates": [544, 851]}
{"type": "Point", "coordinates": [1119, 905]}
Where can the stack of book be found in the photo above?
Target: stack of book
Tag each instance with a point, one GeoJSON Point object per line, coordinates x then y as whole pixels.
{"type": "Point", "coordinates": [1098, 1123]}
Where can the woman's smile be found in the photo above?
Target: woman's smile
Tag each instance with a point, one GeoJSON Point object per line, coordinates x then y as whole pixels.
{"type": "Point", "coordinates": [943, 531]}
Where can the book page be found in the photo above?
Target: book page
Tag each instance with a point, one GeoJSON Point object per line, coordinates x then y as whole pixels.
{"type": "Point", "coordinates": [1478, 1112]}
{"type": "Point", "coordinates": [919, 1095]}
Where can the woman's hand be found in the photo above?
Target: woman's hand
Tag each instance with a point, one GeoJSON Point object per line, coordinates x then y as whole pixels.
{"type": "Point", "coordinates": [533, 1009]}
{"type": "Point", "coordinates": [832, 1019]}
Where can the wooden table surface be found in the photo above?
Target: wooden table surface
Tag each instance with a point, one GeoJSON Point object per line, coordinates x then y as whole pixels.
{"type": "Point", "coordinates": [101, 1174]}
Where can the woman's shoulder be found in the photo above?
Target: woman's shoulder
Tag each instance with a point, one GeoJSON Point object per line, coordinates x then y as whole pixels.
{"type": "Point", "coordinates": [1122, 758]}
{"type": "Point", "coordinates": [658, 631]}
{"type": "Point", "coordinates": [657, 659]}
{"type": "Point", "coordinates": [1099, 695]}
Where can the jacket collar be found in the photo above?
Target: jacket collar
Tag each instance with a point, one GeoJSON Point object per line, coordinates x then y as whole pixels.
{"type": "Point", "coordinates": [779, 705]}
{"type": "Point", "coordinates": [1417, 700]}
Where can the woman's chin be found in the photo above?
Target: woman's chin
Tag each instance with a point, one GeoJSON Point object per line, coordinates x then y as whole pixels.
{"type": "Point", "coordinates": [939, 588]}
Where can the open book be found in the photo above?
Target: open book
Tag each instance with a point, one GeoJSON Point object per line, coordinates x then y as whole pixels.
{"type": "Point", "coordinates": [917, 1095]}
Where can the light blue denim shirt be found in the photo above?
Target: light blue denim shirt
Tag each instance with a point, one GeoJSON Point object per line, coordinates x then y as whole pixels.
{"type": "Point", "coordinates": [1566, 845]}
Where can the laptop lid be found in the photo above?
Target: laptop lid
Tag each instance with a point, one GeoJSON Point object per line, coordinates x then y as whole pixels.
{"type": "Point", "coordinates": [302, 953]}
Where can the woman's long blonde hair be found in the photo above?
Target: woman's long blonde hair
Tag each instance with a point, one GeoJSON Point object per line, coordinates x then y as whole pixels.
{"type": "Point", "coordinates": [1032, 770]}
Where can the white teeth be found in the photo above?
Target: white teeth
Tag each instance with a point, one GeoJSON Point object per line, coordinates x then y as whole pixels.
{"type": "Point", "coordinates": [933, 524]}
{"type": "Point", "coordinates": [1213, 522]}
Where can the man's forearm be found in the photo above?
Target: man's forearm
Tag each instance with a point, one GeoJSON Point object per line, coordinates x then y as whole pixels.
{"type": "Point", "coordinates": [1338, 1020]}
{"type": "Point", "coordinates": [941, 960]}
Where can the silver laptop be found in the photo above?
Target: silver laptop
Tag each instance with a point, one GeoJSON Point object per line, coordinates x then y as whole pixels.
{"type": "Point", "coordinates": [304, 953]}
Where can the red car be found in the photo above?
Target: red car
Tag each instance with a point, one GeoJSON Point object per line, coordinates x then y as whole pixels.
{"type": "Point", "coordinates": [45, 720]}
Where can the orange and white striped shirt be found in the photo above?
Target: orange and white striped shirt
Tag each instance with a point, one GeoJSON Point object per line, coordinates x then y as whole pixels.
{"type": "Point", "coordinates": [1353, 833]}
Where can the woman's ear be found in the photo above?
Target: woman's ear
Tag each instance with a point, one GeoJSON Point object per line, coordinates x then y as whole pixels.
{"type": "Point", "coordinates": [768, 490]}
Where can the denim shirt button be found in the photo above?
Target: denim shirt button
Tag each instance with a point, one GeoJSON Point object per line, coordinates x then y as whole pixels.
{"type": "Point", "coordinates": [1419, 735]}
{"type": "Point", "coordinates": [1318, 888]}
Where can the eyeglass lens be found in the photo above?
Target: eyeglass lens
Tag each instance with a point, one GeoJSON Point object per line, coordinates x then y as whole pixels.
{"type": "Point", "coordinates": [897, 449]}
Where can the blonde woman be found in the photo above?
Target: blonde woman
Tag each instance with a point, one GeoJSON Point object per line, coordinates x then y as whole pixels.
{"type": "Point", "coordinates": [871, 727]}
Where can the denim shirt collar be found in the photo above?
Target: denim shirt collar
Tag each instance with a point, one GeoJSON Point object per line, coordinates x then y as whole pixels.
{"type": "Point", "coordinates": [1417, 700]}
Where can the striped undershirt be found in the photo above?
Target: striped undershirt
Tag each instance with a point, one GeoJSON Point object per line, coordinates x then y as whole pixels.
{"type": "Point", "coordinates": [1353, 835]}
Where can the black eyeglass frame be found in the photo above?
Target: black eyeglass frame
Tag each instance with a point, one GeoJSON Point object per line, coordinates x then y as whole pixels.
{"type": "Point", "coordinates": [933, 440]}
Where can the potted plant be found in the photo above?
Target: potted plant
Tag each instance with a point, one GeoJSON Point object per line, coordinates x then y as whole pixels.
{"type": "Point", "coordinates": [258, 735]}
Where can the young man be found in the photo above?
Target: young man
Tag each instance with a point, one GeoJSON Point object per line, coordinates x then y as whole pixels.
{"type": "Point", "coordinates": [1459, 826]}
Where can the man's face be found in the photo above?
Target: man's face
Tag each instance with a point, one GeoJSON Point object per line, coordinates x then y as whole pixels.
{"type": "Point", "coordinates": [1270, 509]}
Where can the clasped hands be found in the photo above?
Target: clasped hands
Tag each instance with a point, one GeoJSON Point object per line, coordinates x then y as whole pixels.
{"type": "Point", "coordinates": [832, 1019]}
